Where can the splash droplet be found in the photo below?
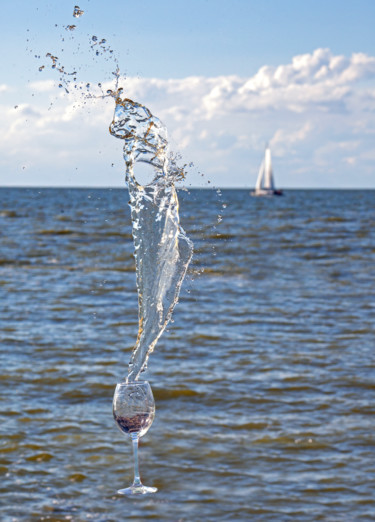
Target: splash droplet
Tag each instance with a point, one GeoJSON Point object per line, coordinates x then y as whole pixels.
{"type": "Point", "coordinates": [77, 12]}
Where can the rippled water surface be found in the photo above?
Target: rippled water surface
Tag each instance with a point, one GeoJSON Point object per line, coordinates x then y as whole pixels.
{"type": "Point", "coordinates": [264, 383]}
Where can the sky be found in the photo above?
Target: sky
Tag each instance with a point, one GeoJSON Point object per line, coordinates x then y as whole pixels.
{"type": "Point", "coordinates": [225, 78]}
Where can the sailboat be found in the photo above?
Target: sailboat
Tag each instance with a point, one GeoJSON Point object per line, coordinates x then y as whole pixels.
{"type": "Point", "coordinates": [265, 185]}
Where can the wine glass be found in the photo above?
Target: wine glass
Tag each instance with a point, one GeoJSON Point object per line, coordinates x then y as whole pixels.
{"type": "Point", "coordinates": [134, 411]}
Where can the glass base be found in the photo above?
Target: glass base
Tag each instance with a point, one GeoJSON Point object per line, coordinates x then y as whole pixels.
{"type": "Point", "coordinates": [137, 490]}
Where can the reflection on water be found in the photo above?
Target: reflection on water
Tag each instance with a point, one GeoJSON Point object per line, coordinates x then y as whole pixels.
{"type": "Point", "coordinates": [264, 383]}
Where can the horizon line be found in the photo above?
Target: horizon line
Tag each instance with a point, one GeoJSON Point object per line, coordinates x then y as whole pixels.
{"type": "Point", "coordinates": [181, 187]}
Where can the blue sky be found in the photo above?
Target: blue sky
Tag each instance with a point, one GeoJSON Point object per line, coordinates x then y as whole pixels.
{"type": "Point", "coordinates": [224, 77]}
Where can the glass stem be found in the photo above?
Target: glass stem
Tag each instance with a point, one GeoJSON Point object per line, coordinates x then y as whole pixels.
{"type": "Point", "coordinates": [137, 478]}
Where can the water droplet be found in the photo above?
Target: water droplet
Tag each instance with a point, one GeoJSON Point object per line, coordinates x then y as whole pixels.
{"type": "Point", "coordinates": [77, 11]}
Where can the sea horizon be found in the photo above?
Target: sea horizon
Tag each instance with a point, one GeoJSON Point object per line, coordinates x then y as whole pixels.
{"type": "Point", "coordinates": [182, 187]}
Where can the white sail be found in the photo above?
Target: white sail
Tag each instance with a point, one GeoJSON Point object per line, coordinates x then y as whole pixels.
{"type": "Point", "coordinates": [265, 185]}
{"type": "Point", "coordinates": [258, 184]}
{"type": "Point", "coordinates": [268, 183]}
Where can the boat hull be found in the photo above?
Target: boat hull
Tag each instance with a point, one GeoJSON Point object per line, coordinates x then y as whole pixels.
{"type": "Point", "coordinates": [266, 193]}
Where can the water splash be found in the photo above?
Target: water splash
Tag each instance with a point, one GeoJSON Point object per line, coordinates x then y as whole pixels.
{"type": "Point", "coordinates": [98, 46]}
{"type": "Point", "coordinates": [77, 12]}
{"type": "Point", "coordinates": [162, 249]}
{"type": "Point", "coordinates": [69, 79]}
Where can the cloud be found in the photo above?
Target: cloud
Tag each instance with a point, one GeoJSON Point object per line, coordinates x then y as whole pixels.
{"type": "Point", "coordinates": [43, 86]}
{"type": "Point", "coordinates": [317, 112]}
{"type": "Point", "coordinates": [284, 138]}
{"type": "Point", "coordinates": [319, 81]}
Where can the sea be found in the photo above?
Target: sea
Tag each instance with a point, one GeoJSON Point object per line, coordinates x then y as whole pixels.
{"type": "Point", "coordinates": [264, 381]}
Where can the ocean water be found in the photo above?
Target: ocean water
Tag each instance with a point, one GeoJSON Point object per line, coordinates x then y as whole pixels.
{"type": "Point", "coordinates": [264, 382]}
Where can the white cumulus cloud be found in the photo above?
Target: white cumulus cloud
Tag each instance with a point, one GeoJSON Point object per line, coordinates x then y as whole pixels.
{"type": "Point", "coordinates": [43, 86]}
{"type": "Point", "coordinates": [317, 112]}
